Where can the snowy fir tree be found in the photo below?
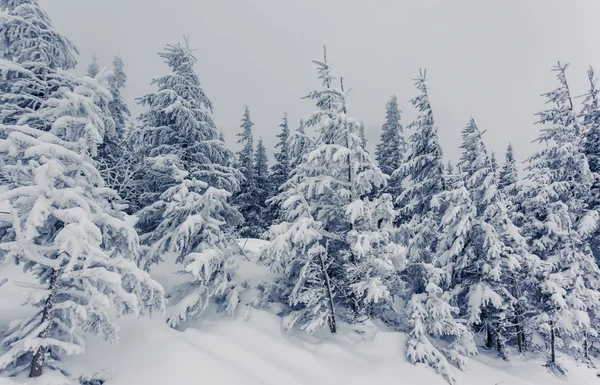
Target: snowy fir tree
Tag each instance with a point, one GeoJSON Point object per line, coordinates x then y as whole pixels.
{"type": "Point", "coordinates": [590, 121]}
{"type": "Point", "coordinates": [508, 183]}
{"type": "Point", "coordinates": [93, 68]}
{"type": "Point", "coordinates": [558, 226]}
{"type": "Point", "coordinates": [509, 174]}
{"type": "Point", "coordinates": [32, 52]}
{"type": "Point", "coordinates": [264, 186]}
{"type": "Point", "coordinates": [192, 220]}
{"type": "Point", "coordinates": [486, 278]}
{"type": "Point", "coordinates": [362, 135]}
{"type": "Point", "coordinates": [424, 171]}
{"type": "Point", "coordinates": [67, 233]}
{"type": "Point", "coordinates": [333, 249]}
{"type": "Point", "coordinates": [117, 106]}
{"type": "Point", "coordinates": [392, 147]}
{"type": "Point", "coordinates": [280, 172]}
{"type": "Point", "coordinates": [247, 200]}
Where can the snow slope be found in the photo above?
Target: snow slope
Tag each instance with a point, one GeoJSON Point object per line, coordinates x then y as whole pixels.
{"type": "Point", "coordinates": [251, 349]}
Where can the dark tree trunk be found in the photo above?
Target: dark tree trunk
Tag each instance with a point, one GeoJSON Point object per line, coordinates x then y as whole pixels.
{"type": "Point", "coordinates": [489, 340]}
{"type": "Point", "coordinates": [37, 363]}
{"type": "Point", "coordinates": [552, 343]}
{"type": "Point", "coordinates": [332, 323]}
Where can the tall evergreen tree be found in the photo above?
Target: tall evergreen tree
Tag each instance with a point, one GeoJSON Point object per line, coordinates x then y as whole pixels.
{"type": "Point", "coordinates": [362, 135]}
{"type": "Point", "coordinates": [65, 230]}
{"type": "Point", "coordinates": [485, 278]}
{"type": "Point", "coordinates": [558, 226]}
{"type": "Point", "coordinates": [176, 132]}
{"type": "Point", "coordinates": [247, 199]}
{"type": "Point", "coordinates": [117, 106]}
{"type": "Point", "coordinates": [192, 219]}
{"type": "Point", "coordinates": [590, 121]}
{"type": "Point", "coordinates": [34, 52]}
{"type": "Point", "coordinates": [424, 170]}
{"type": "Point", "coordinates": [93, 67]}
{"type": "Point", "coordinates": [392, 147]}
{"type": "Point", "coordinates": [280, 172]}
{"type": "Point", "coordinates": [264, 185]}
{"type": "Point", "coordinates": [509, 175]}
{"type": "Point", "coordinates": [333, 247]}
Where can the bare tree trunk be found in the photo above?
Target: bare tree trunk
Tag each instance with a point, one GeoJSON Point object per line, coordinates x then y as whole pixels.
{"type": "Point", "coordinates": [37, 363]}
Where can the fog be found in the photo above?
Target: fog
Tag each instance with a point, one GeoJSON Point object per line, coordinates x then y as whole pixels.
{"type": "Point", "coordinates": [487, 59]}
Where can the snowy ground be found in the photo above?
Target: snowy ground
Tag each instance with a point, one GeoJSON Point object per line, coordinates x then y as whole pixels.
{"type": "Point", "coordinates": [254, 351]}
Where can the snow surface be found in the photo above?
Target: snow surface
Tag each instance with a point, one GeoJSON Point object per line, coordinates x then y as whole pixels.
{"type": "Point", "coordinates": [251, 349]}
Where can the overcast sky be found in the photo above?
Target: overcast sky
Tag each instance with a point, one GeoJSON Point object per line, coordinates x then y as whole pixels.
{"type": "Point", "coordinates": [486, 59]}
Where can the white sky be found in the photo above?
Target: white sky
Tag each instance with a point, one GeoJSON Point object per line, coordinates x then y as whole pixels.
{"type": "Point", "coordinates": [487, 59]}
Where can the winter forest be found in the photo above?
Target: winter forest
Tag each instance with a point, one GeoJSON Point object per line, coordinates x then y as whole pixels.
{"type": "Point", "coordinates": [161, 223]}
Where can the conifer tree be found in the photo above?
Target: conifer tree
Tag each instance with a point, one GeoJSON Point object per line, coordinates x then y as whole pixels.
{"type": "Point", "coordinates": [93, 67]}
{"type": "Point", "coordinates": [590, 121]}
{"type": "Point", "coordinates": [485, 278]}
{"type": "Point", "coordinates": [333, 247]}
{"type": "Point", "coordinates": [34, 52]}
{"type": "Point", "coordinates": [192, 220]}
{"type": "Point", "coordinates": [424, 171]}
{"type": "Point", "coordinates": [392, 147]}
{"type": "Point", "coordinates": [509, 175]}
{"type": "Point", "coordinates": [178, 136]}
{"type": "Point", "coordinates": [558, 226]}
{"type": "Point", "coordinates": [247, 200]}
{"type": "Point", "coordinates": [264, 186]}
{"type": "Point", "coordinates": [361, 134]}
{"type": "Point", "coordinates": [66, 230]}
{"type": "Point", "coordinates": [280, 172]}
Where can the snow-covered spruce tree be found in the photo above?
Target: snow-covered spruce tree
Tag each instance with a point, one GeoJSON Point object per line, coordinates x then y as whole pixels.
{"type": "Point", "coordinates": [333, 247]}
{"type": "Point", "coordinates": [424, 169]}
{"type": "Point", "coordinates": [508, 183]}
{"type": "Point", "coordinates": [488, 280]}
{"type": "Point", "coordinates": [299, 145]}
{"type": "Point", "coordinates": [392, 147]}
{"type": "Point", "coordinates": [362, 135]}
{"type": "Point", "coordinates": [589, 118]}
{"type": "Point", "coordinates": [280, 172]}
{"type": "Point", "coordinates": [31, 53]}
{"type": "Point", "coordinates": [247, 200]}
{"type": "Point", "coordinates": [264, 186]}
{"type": "Point", "coordinates": [509, 175]}
{"type": "Point", "coordinates": [558, 227]}
{"type": "Point", "coordinates": [180, 143]}
{"type": "Point", "coordinates": [68, 234]}
{"type": "Point", "coordinates": [93, 68]}
{"type": "Point", "coordinates": [117, 106]}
